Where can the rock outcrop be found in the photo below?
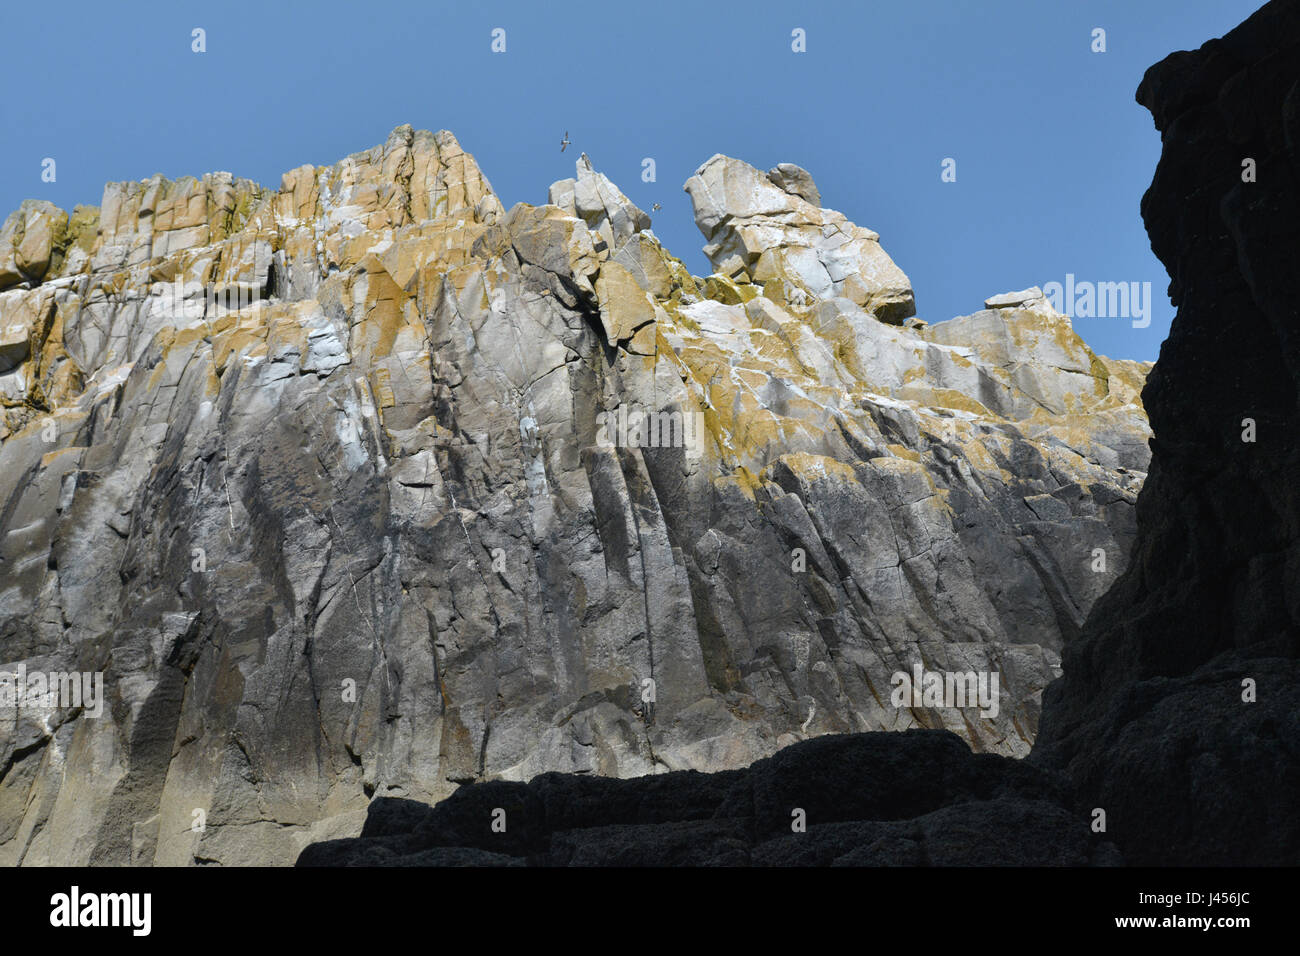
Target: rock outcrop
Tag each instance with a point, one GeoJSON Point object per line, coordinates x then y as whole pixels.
{"type": "Point", "coordinates": [1177, 714]}
{"type": "Point", "coordinates": [771, 230]}
{"type": "Point", "coordinates": [918, 798]}
{"type": "Point", "coordinates": [367, 487]}
{"type": "Point", "coordinates": [1178, 711]}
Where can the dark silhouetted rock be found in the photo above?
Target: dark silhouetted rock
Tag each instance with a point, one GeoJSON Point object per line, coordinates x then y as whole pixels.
{"type": "Point", "coordinates": [1150, 718]}
{"type": "Point", "coordinates": [913, 798]}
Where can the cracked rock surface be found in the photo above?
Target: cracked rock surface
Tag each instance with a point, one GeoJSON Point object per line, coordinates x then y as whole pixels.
{"type": "Point", "coordinates": [1177, 714]}
{"type": "Point", "coordinates": [334, 483]}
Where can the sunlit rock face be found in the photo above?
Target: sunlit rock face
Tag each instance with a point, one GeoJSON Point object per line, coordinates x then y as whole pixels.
{"type": "Point", "coordinates": [366, 486]}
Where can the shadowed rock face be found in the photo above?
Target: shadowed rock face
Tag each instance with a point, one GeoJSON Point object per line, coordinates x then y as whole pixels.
{"type": "Point", "coordinates": [917, 798]}
{"type": "Point", "coordinates": [340, 485]}
{"type": "Point", "coordinates": [1149, 718]}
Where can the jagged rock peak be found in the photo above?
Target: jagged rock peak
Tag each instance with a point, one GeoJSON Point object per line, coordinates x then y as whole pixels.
{"type": "Point", "coordinates": [594, 199]}
{"type": "Point", "coordinates": [795, 180]}
{"type": "Point", "coordinates": [1009, 300]}
{"type": "Point", "coordinates": [414, 176]}
{"type": "Point", "coordinates": [768, 230]}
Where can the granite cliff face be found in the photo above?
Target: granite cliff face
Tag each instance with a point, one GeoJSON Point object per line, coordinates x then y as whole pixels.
{"type": "Point", "coordinates": [342, 487]}
{"type": "Point", "coordinates": [1177, 714]}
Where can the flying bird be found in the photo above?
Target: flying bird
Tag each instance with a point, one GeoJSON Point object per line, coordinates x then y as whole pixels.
{"type": "Point", "coordinates": [656, 207]}
{"type": "Point", "coordinates": [564, 143]}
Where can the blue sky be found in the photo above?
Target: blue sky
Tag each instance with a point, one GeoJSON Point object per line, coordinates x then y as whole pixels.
{"type": "Point", "coordinates": [1052, 152]}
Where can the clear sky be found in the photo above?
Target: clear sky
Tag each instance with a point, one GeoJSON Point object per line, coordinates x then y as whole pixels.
{"type": "Point", "coordinates": [1053, 153]}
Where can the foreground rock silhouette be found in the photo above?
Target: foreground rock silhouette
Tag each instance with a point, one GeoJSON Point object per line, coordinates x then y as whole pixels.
{"type": "Point", "coordinates": [1154, 720]}
{"type": "Point", "coordinates": [1149, 719]}
{"type": "Point", "coordinates": [913, 798]}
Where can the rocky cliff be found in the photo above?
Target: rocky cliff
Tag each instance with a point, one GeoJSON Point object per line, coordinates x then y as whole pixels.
{"type": "Point", "coordinates": [364, 486]}
{"type": "Point", "coordinates": [1178, 709]}
{"type": "Point", "coordinates": [1177, 715]}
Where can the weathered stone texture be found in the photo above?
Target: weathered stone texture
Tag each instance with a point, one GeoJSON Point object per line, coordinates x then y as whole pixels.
{"type": "Point", "coordinates": [326, 480]}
